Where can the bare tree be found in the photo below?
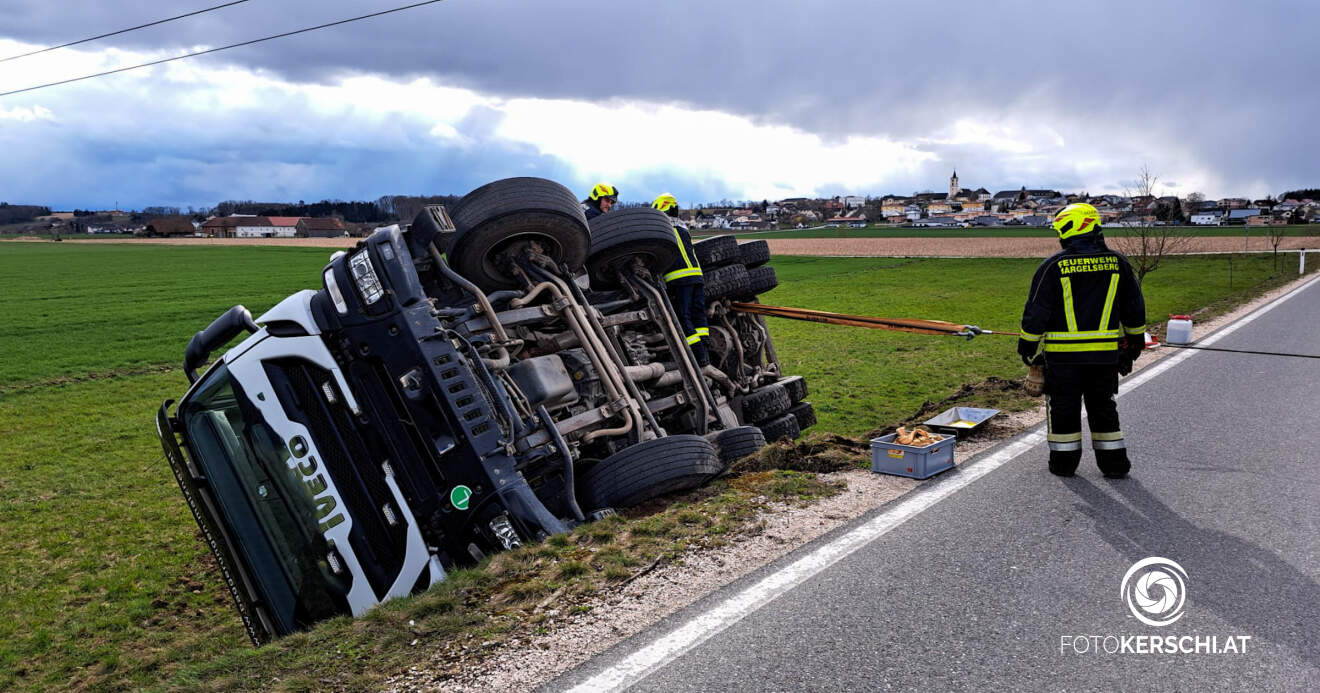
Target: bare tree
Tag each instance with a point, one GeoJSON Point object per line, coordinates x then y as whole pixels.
{"type": "Point", "coordinates": [1276, 232]}
{"type": "Point", "coordinates": [1146, 246]}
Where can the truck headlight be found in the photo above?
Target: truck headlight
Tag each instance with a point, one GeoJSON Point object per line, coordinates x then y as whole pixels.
{"type": "Point", "coordinates": [337, 296]}
{"type": "Point", "coordinates": [365, 276]}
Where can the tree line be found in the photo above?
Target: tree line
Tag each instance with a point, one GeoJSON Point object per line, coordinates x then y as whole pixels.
{"type": "Point", "coordinates": [386, 208]}
{"type": "Point", "coordinates": [16, 214]}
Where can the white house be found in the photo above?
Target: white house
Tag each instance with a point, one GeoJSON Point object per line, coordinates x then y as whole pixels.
{"type": "Point", "coordinates": [1208, 217]}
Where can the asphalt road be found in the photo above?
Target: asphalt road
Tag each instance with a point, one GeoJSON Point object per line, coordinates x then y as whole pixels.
{"type": "Point", "coordinates": [978, 590]}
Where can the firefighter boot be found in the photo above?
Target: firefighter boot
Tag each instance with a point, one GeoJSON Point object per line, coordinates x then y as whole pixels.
{"type": "Point", "coordinates": [1064, 462]}
{"type": "Point", "coordinates": [1113, 464]}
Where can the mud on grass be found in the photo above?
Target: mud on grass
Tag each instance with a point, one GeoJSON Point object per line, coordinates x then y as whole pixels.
{"type": "Point", "coordinates": [511, 596]}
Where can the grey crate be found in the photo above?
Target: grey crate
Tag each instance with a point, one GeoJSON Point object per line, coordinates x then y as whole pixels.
{"type": "Point", "coordinates": [888, 457]}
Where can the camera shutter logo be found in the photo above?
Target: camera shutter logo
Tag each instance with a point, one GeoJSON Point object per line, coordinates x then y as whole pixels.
{"type": "Point", "coordinates": [1155, 590]}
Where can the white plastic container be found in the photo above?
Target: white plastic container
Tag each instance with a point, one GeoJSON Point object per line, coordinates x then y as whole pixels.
{"type": "Point", "coordinates": [1179, 330]}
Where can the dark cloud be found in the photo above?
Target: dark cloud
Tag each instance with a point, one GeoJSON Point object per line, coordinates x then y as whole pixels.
{"type": "Point", "coordinates": [1219, 84]}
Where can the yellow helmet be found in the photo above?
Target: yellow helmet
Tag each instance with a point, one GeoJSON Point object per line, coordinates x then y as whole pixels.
{"type": "Point", "coordinates": [1076, 219]}
{"type": "Point", "coordinates": [665, 202]}
{"type": "Point", "coordinates": [603, 190]}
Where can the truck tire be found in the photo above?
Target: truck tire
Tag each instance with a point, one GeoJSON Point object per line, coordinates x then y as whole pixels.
{"type": "Point", "coordinates": [649, 469]}
{"type": "Point", "coordinates": [753, 254]}
{"type": "Point", "coordinates": [499, 216]}
{"type": "Point", "coordinates": [717, 251]}
{"type": "Point", "coordinates": [796, 386]}
{"type": "Point", "coordinates": [785, 426]}
{"type": "Point", "coordinates": [729, 280]}
{"type": "Point", "coordinates": [765, 403]}
{"type": "Point", "coordinates": [805, 415]}
{"type": "Point", "coordinates": [761, 280]}
{"type": "Point", "coordinates": [626, 234]}
{"type": "Point", "coordinates": [733, 444]}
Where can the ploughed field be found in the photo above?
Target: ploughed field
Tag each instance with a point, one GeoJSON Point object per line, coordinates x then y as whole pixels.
{"type": "Point", "coordinates": [106, 584]}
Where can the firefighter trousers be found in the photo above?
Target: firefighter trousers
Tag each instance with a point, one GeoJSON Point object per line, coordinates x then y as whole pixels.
{"type": "Point", "coordinates": [689, 301]}
{"type": "Point", "coordinates": [1067, 388]}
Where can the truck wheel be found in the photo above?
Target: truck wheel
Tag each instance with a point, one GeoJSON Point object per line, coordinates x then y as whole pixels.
{"type": "Point", "coordinates": [649, 469]}
{"type": "Point", "coordinates": [785, 426]}
{"type": "Point", "coordinates": [796, 386]}
{"type": "Point", "coordinates": [717, 251]}
{"type": "Point", "coordinates": [729, 280]}
{"type": "Point", "coordinates": [754, 254]}
{"type": "Point", "coordinates": [627, 234]}
{"type": "Point", "coordinates": [733, 444]}
{"type": "Point", "coordinates": [805, 415]}
{"type": "Point", "coordinates": [765, 403]}
{"type": "Point", "coordinates": [503, 216]}
{"type": "Point", "coordinates": [761, 280]}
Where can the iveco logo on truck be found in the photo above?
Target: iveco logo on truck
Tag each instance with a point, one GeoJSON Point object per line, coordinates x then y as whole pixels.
{"type": "Point", "coordinates": [316, 486]}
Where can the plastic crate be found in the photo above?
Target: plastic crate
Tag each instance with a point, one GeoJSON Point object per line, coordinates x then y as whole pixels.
{"type": "Point", "coordinates": [888, 457]}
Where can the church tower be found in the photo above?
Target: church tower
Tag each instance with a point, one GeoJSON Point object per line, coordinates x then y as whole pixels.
{"type": "Point", "coordinates": [953, 185]}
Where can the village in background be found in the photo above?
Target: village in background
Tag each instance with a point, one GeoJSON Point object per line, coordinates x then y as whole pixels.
{"type": "Point", "coordinates": [958, 207]}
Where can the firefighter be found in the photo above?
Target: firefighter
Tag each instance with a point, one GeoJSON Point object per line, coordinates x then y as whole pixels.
{"type": "Point", "coordinates": [1086, 318]}
{"type": "Point", "coordinates": [599, 201]}
{"type": "Point", "coordinates": [687, 288]}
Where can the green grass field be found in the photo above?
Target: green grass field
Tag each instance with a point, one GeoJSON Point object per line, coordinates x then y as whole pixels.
{"type": "Point", "coordinates": [106, 585]}
{"type": "Point", "coordinates": [999, 232]}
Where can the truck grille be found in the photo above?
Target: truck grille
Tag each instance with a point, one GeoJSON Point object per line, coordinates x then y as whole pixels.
{"type": "Point", "coordinates": [356, 473]}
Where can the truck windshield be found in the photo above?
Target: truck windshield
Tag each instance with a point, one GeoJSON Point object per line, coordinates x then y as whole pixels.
{"type": "Point", "coordinates": [270, 511]}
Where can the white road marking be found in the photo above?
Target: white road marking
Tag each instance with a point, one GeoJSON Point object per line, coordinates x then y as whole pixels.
{"type": "Point", "coordinates": [702, 627]}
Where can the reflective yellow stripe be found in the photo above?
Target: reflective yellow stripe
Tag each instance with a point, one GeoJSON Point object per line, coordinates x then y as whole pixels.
{"type": "Point", "coordinates": [682, 249]}
{"type": "Point", "coordinates": [1027, 336]}
{"type": "Point", "coordinates": [1065, 336]}
{"type": "Point", "coordinates": [1090, 346]}
{"type": "Point", "coordinates": [679, 274]}
{"type": "Point", "coordinates": [1068, 303]}
{"type": "Point", "coordinates": [1109, 302]}
{"type": "Point", "coordinates": [1116, 435]}
{"type": "Point", "coordinates": [693, 338]}
{"type": "Point", "coordinates": [1063, 437]}
{"type": "Point", "coordinates": [1135, 330]}
{"type": "Point", "coordinates": [703, 331]}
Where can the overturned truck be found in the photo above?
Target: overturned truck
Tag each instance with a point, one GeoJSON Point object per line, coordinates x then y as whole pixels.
{"type": "Point", "coordinates": [462, 386]}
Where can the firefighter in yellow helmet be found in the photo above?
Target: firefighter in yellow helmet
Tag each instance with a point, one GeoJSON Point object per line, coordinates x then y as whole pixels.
{"type": "Point", "coordinates": [602, 197]}
{"type": "Point", "coordinates": [1085, 318]}
{"type": "Point", "coordinates": [687, 288]}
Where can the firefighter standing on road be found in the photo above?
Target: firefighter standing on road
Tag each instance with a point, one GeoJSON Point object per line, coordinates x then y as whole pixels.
{"type": "Point", "coordinates": [599, 201]}
{"type": "Point", "coordinates": [1086, 315]}
{"type": "Point", "coordinates": [687, 288]}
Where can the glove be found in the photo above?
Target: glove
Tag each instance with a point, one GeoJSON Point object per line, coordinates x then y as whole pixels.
{"type": "Point", "coordinates": [1133, 346]}
{"type": "Point", "coordinates": [1027, 350]}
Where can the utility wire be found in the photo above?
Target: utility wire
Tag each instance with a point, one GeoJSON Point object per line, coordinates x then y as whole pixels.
{"type": "Point", "coordinates": [221, 48]}
{"type": "Point", "coordinates": [122, 31]}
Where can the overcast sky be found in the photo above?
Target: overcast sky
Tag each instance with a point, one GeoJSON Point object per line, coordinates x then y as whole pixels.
{"type": "Point", "coordinates": [744, 99]}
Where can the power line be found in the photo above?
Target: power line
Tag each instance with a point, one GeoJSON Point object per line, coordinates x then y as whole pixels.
{"type": "Point", "coordinates": [122, 31]}
{"type": "Point", "coordinates": [221, 48]}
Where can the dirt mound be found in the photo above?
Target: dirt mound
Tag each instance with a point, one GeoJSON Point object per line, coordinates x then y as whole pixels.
{"type": "Point", "coordinates": [817, 453]}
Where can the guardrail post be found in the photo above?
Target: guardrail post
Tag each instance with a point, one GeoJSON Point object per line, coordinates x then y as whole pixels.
{"type": "Point", "coordinates": [1301, 262]}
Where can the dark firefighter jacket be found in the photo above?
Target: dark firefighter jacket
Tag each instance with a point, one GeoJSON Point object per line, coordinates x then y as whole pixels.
{"type": "Point", "coordinates": [1083, 301]}
{"type": "Point", "coordinates": [685, 269]}
{"type": "Point", "coordinates": [591, 211]}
